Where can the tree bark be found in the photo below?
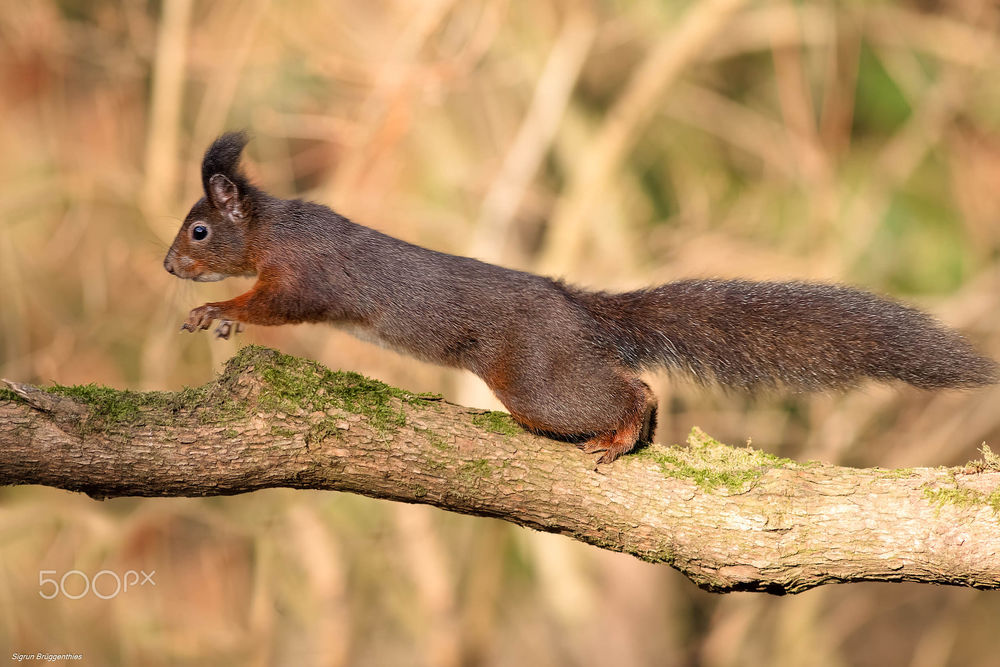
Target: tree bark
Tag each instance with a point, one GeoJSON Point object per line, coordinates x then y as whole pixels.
{"type": "Point", "coordinates": [728, 518]}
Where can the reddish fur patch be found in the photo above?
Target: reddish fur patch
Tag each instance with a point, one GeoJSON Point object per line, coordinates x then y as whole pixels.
{"type": "Point", "coordinates": [615, 443]}
{"type": "Point", "coordinates": [240, 301]}
{"type": "Point", "coordinates": [497, 378]}
{"type": "Point", "coordinates": [246, 307]}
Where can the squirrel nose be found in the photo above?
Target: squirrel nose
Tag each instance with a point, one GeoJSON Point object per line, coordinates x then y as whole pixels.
{"type": "Point", "coordinates": [169, 265]}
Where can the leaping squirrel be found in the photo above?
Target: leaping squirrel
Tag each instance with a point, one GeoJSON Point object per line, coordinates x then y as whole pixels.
{"type": "Point", "coordinates": [563, 360]}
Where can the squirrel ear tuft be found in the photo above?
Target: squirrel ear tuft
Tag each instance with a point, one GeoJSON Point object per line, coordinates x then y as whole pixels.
{"type": "Point", "coordinates": [223, 159]}
{"type": "Point", "coordinates": [225, 197]}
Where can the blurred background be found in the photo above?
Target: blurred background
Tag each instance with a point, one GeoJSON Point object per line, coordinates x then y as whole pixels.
{"type": "Point", "coordinates": [616, 144]}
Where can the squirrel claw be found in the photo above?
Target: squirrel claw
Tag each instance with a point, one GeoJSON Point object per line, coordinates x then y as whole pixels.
{"type": "Point", "coordinates": [610, 446]}
{"type": "Point", "coordinates": [200, 318]}
{"type": "Point", "coordinates": [227, 327]}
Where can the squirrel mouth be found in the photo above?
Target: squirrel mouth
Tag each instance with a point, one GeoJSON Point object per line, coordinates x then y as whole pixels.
{"type": "Point", "coordinates": [188, 269]}
{"type": "Point", "coordinates": [208, 277]}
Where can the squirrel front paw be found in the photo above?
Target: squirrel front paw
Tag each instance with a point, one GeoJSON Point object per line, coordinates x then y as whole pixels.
{"type": "Point", "coordinates": [227, 327]}
{"type": "Point", "coordinates": [200, 318]}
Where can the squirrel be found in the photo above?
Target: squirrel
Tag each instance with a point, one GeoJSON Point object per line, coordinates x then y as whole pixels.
{"type": "Point", "coordinates": [565, 361]}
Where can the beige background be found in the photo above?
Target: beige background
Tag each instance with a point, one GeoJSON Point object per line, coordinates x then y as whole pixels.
{"type": "Point", "coordinates": [617, 144]}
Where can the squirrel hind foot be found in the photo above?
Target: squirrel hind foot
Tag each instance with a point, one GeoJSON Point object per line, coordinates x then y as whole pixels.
{"type": "Point", "coordinates": [613, 444]}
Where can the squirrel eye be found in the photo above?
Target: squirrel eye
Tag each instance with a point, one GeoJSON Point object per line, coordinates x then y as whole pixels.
{"type": "Point", "coordinates": [199, 232]}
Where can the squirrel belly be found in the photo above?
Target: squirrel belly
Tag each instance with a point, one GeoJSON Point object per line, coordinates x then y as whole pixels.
{"type": "Point", "coordinates": [564, 361]}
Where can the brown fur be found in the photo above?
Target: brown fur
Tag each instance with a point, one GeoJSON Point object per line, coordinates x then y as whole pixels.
{"type": "Point", "coordinates": [565, 362]}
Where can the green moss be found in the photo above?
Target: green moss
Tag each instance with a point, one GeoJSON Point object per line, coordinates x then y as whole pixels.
{"type": "Point", "coordinates": [288, 385]}
{"type": "Point", "coordinates": [292, 384]}
{"type": "Point", "coordinates": [497, 422]}
{"type": "Point", "coordinates": [10, 395]}
{"type": "Point", "coordinates": [222, 402]}
{"type": "Point", "coordinates": [371, 398]}
{"type": "Point", "coordinates": [322, 430]}
{"type": "Point", "coordinates": [476, 469]}
{"type": "Point", "coordinates": [434, 438]}
{"type": "Point", "coordinates": [960, 497]}
{"type": "Point", "coordinates": [990, 460]}
{"type": "Point", "coordinates": [896, 473]}
{"type": "Point", "coordinates": [711, 464]}
{"type": "Point", "coordinates": [111, 406]}
{"type": "Point", "coordinates": [963, 498]}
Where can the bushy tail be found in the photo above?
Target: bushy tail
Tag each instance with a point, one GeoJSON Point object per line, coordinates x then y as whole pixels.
{"type": "Point", "coordinates": [803, 335]}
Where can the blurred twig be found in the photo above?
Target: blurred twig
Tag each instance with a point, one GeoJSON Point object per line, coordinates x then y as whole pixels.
{"type": "Point", "coordinates": [600, 161]}
{"type": "Point", "coordinates": [538, 128]}
{"type": "Point", "coordinates": [165, 107]}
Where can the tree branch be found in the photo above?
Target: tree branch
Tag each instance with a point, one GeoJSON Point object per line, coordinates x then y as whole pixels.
{"type": "Point", "coordinates": [728, 518]}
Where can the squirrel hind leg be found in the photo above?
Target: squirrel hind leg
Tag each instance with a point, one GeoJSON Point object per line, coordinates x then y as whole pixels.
{"type": "Point", "coordinates": [606, 414]}
{"type": "Point", "coordinates": [639, 427]}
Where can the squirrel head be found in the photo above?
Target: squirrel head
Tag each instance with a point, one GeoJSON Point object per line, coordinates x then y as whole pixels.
{"type": "Point", "coordinates": [212, 242]}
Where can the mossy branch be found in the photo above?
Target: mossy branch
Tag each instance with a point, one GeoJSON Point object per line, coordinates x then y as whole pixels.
{"type": "Point", "coordinates": [728, 518]}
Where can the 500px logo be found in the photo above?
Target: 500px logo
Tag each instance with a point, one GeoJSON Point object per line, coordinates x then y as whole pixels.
{"type": "Point", "coordinates": [111, 584]}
